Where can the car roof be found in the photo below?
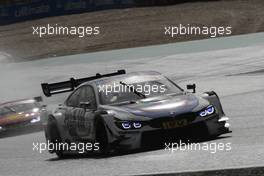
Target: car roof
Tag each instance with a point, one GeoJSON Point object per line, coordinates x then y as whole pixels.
{"type": "Point", "coordinates": [122, 77]}
{"type": "Point", "coordinates": [22, 101]}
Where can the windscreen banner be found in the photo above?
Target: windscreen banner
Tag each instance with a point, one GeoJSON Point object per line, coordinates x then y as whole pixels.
{"type": "Point", "coordinates": [22, 10]}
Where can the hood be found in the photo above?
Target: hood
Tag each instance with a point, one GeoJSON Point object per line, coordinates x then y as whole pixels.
{"type": "Point", "coordinates": [163, 106]}
{"type": "Point", "coordinates": [17, 118]}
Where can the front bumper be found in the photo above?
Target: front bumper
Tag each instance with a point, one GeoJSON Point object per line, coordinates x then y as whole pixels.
{"type": "Point", "coordinates": [148, 136]}
{"type": "Point", "coordinates": [2, 129]}
{"type": "Point", "coordinates": [217, 126]}
{"type": "Point", "coordinates": [27, 125]}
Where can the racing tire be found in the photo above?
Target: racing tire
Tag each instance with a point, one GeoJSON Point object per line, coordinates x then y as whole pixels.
{"type": "Point", "coordinates": [102, 139]}
{"type": "Point", "coordinates": [54, 136]}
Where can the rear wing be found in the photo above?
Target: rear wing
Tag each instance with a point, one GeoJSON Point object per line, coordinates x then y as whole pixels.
{"type": "Point", "coordinates": [68, 86]}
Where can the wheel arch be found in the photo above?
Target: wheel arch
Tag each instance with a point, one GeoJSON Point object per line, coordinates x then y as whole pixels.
{"type": "Point", "coordinates": [51, 119]}
{"type": "Point", "coordinates": [214, 99]}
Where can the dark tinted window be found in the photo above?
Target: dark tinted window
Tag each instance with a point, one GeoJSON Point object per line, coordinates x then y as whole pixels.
{"type": "Point", "coordinates": [83, 94]}
{"type": "Point", "coordinates": [149, 88]}
{"type": "Point", "coordinates": [23, 107]}
{"type": "Point", "coordinates": [5, 111]}
{"type": "Point", "coordinates": [87, 95]}
{"type": "Point", "coordinates": [74, 98]}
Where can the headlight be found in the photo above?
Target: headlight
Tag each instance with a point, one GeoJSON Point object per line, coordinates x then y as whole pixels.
{"type": "Point", "coordinates": [126, 125]}
{"type": "Point", "coordinates": [208, 111]}
{"type": "Point", "coordinates": [131, 125]}
{"type": "Point", "coordinates": [35, 120]}
{"type": "Point", "coordinates": [2, 128]}
{"type": "Point", "coordinates": [137, 125]}
{"type": "Point", "coordinates": [35, 110]}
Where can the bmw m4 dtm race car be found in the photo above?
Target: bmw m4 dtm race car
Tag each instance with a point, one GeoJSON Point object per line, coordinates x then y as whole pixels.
{"type": "Point", "coordinates": [125, 111]}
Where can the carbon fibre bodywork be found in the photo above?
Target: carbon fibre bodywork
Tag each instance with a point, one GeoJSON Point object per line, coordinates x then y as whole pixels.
{"type": "Point", "coordinates": [130, 124]}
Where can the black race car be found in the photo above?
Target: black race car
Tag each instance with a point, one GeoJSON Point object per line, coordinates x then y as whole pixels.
{"type": "Point", "coordinates": [128, 111]}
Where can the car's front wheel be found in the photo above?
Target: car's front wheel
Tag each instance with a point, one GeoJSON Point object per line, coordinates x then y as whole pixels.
{"type": "Point", "coordinates": [102, 138]}
{"type": "Point", "coordinates": [54, 137]}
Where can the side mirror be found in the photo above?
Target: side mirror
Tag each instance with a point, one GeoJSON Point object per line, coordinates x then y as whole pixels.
{"type": "Point", "coordinates": [43, 107]}
{"type": "Point", "coordinates": [85, 105]}
{"type": "Point", "coordinates": [191, 87]}
{"type": "Point", "coordinates": [38, 99]}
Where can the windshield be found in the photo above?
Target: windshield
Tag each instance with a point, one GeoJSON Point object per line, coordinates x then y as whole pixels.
{"type": "Point", "coordinates": [23, 107]}
{"type": "Point", "coordinates": [118, 92]}
{"type": "Point", "coordinates": [5, 111]}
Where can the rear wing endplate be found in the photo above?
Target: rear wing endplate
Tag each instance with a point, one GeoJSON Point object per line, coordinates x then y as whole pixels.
{"type": "Point", "coordinates": [68, 86]}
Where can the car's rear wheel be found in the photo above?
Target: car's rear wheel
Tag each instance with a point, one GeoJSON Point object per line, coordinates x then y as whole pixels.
{"type": "Point", "coordinates": [54, 137]}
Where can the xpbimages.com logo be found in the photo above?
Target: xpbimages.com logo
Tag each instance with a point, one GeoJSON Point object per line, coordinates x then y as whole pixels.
{"type": "Point", "coordinates": [211, 147]}
{"type": "Point", "coordinates": [212, 31]}
{"type": "Point", "coordinates": [121, 87]}
{"type": "Point", "coordinates": [60, 146]}
{"type": "Point", "coordinates": [80, 31]}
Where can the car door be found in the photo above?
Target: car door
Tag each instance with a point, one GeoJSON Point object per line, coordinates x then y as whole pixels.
{"type": "Point", "coordinates": [6, 116]}
{"type": "Point", "coordinates": [80, 120]}
{"type": "Point", "coordinates": [69, 110]}
{"type": "Point", "coordinates": [85, 115]}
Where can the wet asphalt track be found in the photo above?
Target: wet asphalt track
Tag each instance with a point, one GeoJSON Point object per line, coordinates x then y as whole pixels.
{"type": "Point", "coordinates": [237, 74]}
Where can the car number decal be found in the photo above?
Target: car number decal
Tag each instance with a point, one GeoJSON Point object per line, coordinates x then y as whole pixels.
{"type": "Point", "coordinates": [175, 123]}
